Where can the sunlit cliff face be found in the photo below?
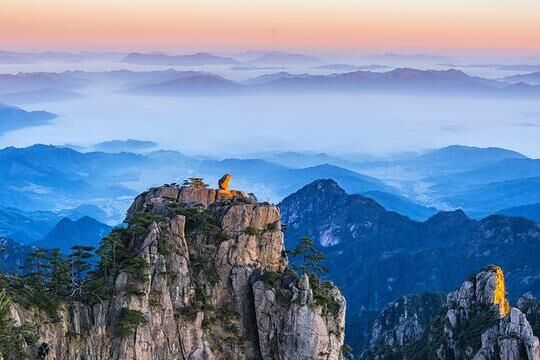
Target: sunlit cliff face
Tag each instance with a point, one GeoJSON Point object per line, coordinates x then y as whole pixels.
{"type": "Point", "coordinates": [499, 294]}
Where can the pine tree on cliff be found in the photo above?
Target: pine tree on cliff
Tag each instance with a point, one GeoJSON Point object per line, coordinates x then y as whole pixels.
{"type": "Point", "coordinates": [112, 252]}
{"type": "Point", "coordinates": [195, 182]}
{"type": "Point", "coordinates": [59, 279]}
{"type": "Point", "coordinates": [35, 268]}
{"type": "Point", "coordinates": [79, 260]}
{"type": "Point", "coordinates": [311, 258]}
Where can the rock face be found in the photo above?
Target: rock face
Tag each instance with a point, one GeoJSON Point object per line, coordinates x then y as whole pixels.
{"type": "Point", "coordinates": [480, 305]}
{"type": "Point", "coordinates": [404, 321]}
{"type": "Point", "coordinates": [213, 284]}
{"type": "Point", "coordinates": [476, 322]}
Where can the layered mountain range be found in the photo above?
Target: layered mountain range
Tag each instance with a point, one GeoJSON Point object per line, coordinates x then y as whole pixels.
{"type": "Point", "coordinates": [24, 87]}
{"type": "Point", "coordinates": [481, 181]}
{"type": "Point", "coordinates": [376, 255]}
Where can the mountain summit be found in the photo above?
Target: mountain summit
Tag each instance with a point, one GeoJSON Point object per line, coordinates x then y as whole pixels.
{"type": "Point", "coordinates": [199, 273]}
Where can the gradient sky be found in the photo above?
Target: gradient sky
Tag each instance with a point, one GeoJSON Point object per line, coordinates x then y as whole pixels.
{"type": "Point", "coordinates": [480, 25]}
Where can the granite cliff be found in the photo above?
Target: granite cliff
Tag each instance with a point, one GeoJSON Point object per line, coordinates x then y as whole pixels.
{"type": "Point", "coordinates": [199, 273]}
{"type": "Point", "coordinates": [475, 322]}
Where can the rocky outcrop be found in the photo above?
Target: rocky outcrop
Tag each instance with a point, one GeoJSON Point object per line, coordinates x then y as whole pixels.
{"type": "Point", "coordinates": [313, 330]}
{"type": "Point", "coordinates": [476, 322]}
{"type": "Point", "coordinates": [404, 321]}
{"type": "Point", "coordinates": [224, 182]}
{"type": "Point", "coordinates": [530, 306]}
{"type": "Point", "coordinates": [480, 308]}
{"type": "Point", "coordinates": [206, 278]}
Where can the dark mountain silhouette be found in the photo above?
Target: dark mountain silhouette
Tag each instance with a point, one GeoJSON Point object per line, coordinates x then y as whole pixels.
{"type": "Point", "coordinates": [12, 117]}
{"type": "Point", "coordinates": [376, 255]}
{"type": "Point", "coordinates": [530, 211]}
{"type": "Point", "coordinates": [200, 84]}
{"type": "Point", "coordinates": [67, 233]}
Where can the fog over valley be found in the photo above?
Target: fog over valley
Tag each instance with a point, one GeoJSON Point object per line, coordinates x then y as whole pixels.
{"type": "Point", "coordinates": [273, 113]}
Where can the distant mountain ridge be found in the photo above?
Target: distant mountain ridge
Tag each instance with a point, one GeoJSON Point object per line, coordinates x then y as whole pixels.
{"type": "Point", "coordinates": [13, 83]}
{"type": "Point", "coordinates": [198, 84]}
{"type": "Point", "coordinates": [531, 211]}
{"type": "Point", "coordinates": [12, 117]}
{"type": "Point", "coordinates": [12, 255]}
{"type": "Point", "coordinates": [67, 233]}
{"type": "Point", "coordinates": [451, 81]}
{"type": "Point", "coordinates": [26, 227]}
{"type": "Point", "coordinates": [197, 59]}
{"type": "Point", "coordinates": [530, 78]}
{"type": "Point", "coordinates": [49, 177]}
{"type": "Point", "coordinates": [128, 145]}
{"type": "Point", "coordinates": [173, 82]}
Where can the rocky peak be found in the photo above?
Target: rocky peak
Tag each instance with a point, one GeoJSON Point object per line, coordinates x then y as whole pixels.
{"type": "Point", "coordinates": [156, 200]}
{"type": "Point", "coordinates": [204, 277]}
{"type": "Point", "coordinates": [486, 288]}
{"type": "Point", "coordinates": [476, 322]}
{"type": "Point", "coordinates": [444, 217]}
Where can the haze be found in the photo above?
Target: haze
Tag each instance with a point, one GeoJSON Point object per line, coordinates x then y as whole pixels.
{"type": "Point", "coordinates": [482, 25]}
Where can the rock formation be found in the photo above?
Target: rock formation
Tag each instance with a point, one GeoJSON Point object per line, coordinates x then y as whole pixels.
{"type": "Point", "coordinates": [206, 278]}
{"type": "Point", "coordinates": [377, 256]}
{"type": "Point", "coordinates": [224, 182]}
{"type": "Point", "coordinates": [476, 323]}
{"type": "Point", "coordinates": [405, 320]}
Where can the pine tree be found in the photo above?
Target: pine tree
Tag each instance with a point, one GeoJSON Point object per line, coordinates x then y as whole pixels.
{"type": "Point", "coordinates": [195, 182]}
{"type": "Point", "coordinates": [79, 267]}
{"type": "Point", "coordinates": [35, 268]}
{"type": "Point", "coordinates": [311, 258]}
{"type": "Point", "coordinates": [59, 270]}
{"type": "Point", "coordinates": [112, 252]}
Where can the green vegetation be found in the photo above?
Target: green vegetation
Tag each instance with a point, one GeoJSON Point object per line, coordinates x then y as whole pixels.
{"type": "Point", "coordinates": [432, 345]}
{"type": "Point", "coordinates": [271, 278]}
{"type": "Point", "coordinates": [481, 318]}
{"type": "Point", "coordinates": [272, 227]}
{"type": "Point", "coordinates": [311, 259]}
{"type": "Point", "coordinates": [49, 279]}
{"type": "Point", "coordinates": [142, 220]}
{"type": "Point", "coordinates": [198, 219]}
{"type": "Point", "coordinates": [195, 182]}
{"type": "Point", "coordinates": [13, 340]}
{"type": "Point", "coordinates": [128, 321]}
{"type": "Point", "coordinates": [251, 231]}
{"type": "Point", "coordinates": [112, 251]}
{"type": "Point", "coordinates": [322, 294]}
{"type": "Point", "coordinates": [347, 351]}
{"type": "Point", "coordinates": [79, 260]}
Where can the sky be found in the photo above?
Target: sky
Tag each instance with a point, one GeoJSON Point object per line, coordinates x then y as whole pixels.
{"type": "Point", "coordinates": [308, 25]}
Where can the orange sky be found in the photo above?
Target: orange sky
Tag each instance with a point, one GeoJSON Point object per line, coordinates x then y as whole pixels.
{"type": "Point", "coordinates": [277, 24]}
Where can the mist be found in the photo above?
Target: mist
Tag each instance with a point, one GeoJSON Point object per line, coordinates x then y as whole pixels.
{"type": "Point", "coordinates": [341, 124]}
